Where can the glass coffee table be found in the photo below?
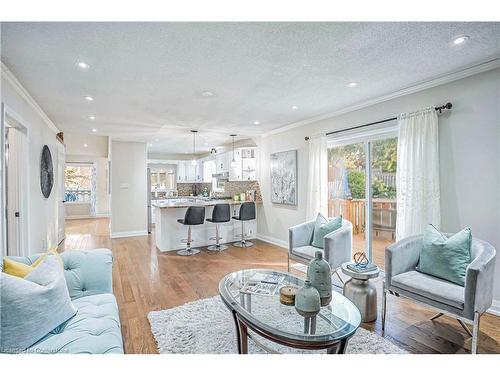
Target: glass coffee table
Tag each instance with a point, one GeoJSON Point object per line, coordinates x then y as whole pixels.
{"type": "Point", "coordinates": [264, 314]}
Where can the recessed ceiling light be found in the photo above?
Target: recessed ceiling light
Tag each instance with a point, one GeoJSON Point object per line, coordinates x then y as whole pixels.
{"type": "Point", "coordinates": [256, 122]}
{"type": "Point", "coordinates": [460, 39]}
{"type": "Point", "coordinates": [207, 94]}
{"type": "Point", "coordinates": [88, 98]}
{"type": "Point", "coordinates": [353, 84]}
{"type": "Point", "coordinates": [85, 145]}
{"type": "Point", "coordinates": [294, 107]}
{"type": "Point", "coordinates": [92, 118]}
{"type": "Point", "coordinates": [150, 144]}
{"type": "Point", "coordinates": [83, 65]}
{"type": "Point", "coordinates": [94, 130]}
{"type": "Point", "coordinates": [156, 139]}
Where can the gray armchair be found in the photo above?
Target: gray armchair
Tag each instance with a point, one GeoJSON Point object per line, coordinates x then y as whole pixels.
{"type": "Point", "coordinates": [466, 304]}
{"type": "Point", "coordinates": [338, 244]}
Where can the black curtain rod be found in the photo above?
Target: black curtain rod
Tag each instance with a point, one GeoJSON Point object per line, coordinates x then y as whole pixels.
{"type": "Point", "coordinates": [440, 109]}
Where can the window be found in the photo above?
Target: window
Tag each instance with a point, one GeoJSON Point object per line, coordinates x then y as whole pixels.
{"type": "Point", "coordinates": [78, 182]}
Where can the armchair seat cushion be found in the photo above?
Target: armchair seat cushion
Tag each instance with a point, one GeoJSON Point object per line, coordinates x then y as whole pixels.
{"type": "Point", "coordinates": [431, 287]}
{"type": "Point", "coordinates": [306, 252]}
{"type": "Point", "coordinates": [95, 329]}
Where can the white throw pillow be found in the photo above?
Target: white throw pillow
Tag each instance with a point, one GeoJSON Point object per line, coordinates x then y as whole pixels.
{"type": "Point", "coordinates": [33, 306]}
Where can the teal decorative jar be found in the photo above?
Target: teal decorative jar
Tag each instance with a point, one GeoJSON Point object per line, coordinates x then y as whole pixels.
{"type": "Point", "coordinates": [307, 300]}
{"type": "Point", "coordinates": [319, 273]}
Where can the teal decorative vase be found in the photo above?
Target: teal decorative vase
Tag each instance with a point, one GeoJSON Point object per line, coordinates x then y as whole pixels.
{"type": "Point", "coordinates": [307, 300]}
{"type": "Point", "coordinates": [319, 273]}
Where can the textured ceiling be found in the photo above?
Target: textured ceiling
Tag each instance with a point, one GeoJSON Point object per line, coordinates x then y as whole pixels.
{"type": "Point", "coordinates": [147, 78]}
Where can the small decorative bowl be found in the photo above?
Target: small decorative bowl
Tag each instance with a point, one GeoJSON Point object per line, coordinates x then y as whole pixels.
{"type": "Point", "coordinates": [287, 295]}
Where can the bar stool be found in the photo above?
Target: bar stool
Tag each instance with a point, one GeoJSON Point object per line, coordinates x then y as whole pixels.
{"type": "Point", "coordinates": [195, 215]}
{"type": "Point", "coordinates": [220, 214]}
{"type": "Point", "coordinates": [247, 212]}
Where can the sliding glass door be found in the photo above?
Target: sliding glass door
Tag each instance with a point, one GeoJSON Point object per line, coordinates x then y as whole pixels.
{"type": "Point", "coordinates": [362, 188]}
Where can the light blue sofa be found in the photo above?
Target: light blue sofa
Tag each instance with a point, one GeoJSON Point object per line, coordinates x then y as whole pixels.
{"type": "Point", "coordinates": [95, 329]}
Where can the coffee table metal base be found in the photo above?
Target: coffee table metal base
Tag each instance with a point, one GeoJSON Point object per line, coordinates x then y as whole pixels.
{"type": "Point", "coordinates": [243, 334]}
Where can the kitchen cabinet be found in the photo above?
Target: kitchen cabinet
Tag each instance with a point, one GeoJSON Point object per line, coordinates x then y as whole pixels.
{"type": "Point", "coordinates": [209, 169]}
{"type": "Point", "coordinates": [181, 171]}
{"type": "Point", "coordinates": [222, 162]}
{"type": "Point", "coordinates": [235, 171]}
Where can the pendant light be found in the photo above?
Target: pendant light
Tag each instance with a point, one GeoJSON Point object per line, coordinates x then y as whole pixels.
{"type": "Point", "coordinates": [233, 162]}
{"type": "Point", "coordinates": [193, 162]}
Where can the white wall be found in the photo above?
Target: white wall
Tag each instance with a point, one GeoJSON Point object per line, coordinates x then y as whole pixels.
{"type": "Point", "coordinates": [128, 189]}
{"type": "Point", "coordinates": [42, 213]}
{"type": "Point", "coordinates": [469, 157]}
{"type": "Point", "coordinates": [96, 152]}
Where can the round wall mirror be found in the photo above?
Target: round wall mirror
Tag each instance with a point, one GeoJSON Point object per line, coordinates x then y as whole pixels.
{"type": "Point", "coordinates": [46, 172]}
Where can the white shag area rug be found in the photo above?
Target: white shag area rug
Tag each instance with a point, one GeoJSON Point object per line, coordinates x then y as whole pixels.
{"type": "Point", "coordinates": [207, 327]}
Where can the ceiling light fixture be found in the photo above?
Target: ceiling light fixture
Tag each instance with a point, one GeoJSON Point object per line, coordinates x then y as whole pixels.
{"type": "Point", "coordinates": [256, 122]}
{"type": "Point", "coordinates": [91, 118]}
{"type": "Point", "coordinates": [460, 39]}
{"type": "Point", "coordinates": [193, 162]}
{"type": "Point", "coordinates": [233, 162]}
{"type": "Point", "coordinates": [352, 84]}
{"type": "Point", "coordinates": [294, 107]}
{"type": "Point", "coordinates": [207, 94]}
{"type": "Point", "coordinates": [85, 145]}
{"type": "Point", "coordinates": [82, 65]}
{"type": "Point", "coordinates": [94, 130]}
{"type": "Point", "coordinates": [157, 140]}
{"type": "Point", "coordinates": [88, 98]}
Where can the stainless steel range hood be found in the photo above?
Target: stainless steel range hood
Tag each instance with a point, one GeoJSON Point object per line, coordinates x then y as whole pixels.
{"type": "Point", "coordinates": [221, 176]}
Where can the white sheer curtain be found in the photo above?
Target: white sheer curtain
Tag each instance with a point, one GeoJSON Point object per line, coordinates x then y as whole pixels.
{"type": "Point", "coordinates": [417, 175]}
{"type": "Point", "coordinates": [317, 179]}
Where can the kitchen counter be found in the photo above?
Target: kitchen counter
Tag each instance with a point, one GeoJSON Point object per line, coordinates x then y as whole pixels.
{"type": "Point", "coordinates": [169, 233]}
{"type": "Point", "coordinates": [186, 202]}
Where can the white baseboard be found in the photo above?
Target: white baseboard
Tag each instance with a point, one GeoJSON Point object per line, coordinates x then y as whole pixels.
{"type": "Point", "coordinates": [102, 215]}
{"type": "Point", "coordinates": [272, 240]}
{"type": "Point", "coordinates": [495, 308]}
{"type": "Point", "coordinates": [136, 233]}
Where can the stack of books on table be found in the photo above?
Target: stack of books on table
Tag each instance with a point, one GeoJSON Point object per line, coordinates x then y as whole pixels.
{"type": "Point", "coordinates": [362, 267]}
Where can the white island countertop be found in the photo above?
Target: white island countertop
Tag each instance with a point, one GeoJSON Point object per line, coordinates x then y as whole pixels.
{"type": "Point", "coordinates": [186, 202]}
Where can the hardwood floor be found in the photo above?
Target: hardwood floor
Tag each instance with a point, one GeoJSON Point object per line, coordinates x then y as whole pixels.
{"type": "Point", "coordinates": [145, 279]}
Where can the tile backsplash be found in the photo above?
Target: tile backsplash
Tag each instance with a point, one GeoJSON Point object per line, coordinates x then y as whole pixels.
{"type": "Point", "coordinates": [230, 188]}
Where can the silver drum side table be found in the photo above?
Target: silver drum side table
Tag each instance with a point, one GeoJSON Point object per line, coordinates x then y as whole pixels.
{"type": "Point", "coordinates": [362, 292]}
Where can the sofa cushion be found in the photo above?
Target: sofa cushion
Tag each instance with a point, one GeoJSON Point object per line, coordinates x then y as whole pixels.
{"type": "Point", "coordinates": [323, 227]}
{"type": "Point", "coordinates": [431, 287]}
{"type": "Point", "coordinates": [446, 258]}
{"type": "Point", "coordinates": [306, 252]}
{"type": "Point", "coordinates": [95, 329]}
{"type": "Point", "coordinates": [33, 306]}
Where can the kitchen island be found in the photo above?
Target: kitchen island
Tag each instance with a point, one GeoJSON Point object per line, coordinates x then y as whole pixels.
{"type": "Point", "coordinates": [169, 233]}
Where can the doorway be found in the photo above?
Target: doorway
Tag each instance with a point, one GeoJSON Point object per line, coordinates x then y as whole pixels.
{"type": "Point", "coordinates": [16, 186]}
{"type": "Point", "coordinates": [362, 188]}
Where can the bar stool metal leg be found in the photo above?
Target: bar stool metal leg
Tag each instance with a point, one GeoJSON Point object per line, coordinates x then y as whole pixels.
{"type": "Point", "coordinates": [218, 246]}
{"type": "Point", "coordinates": [188, 250]}
{"type": "Point", "coordinates": [243, 242]}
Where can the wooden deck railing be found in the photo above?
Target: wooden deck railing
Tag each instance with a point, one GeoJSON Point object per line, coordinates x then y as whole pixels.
{"type": "Point", "coordinates": [383, 213]}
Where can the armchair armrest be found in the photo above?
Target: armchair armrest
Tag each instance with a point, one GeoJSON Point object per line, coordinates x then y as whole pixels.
{"type": "Point", "coordinates": [338, 245]}
{"type": "Point", "coordinates": [88, 272]}
{"type": "Point", "coordinates": [300, 235]}
{"type": "Point", "coordinates": [402, 256]}
{"type": "Point", "coordinates": [479, 279]}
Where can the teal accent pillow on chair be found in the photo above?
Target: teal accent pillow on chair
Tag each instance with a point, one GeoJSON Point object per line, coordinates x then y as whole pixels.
{"type": "Point", "coordinates": [443, 257]}
{"type": "Point", "coordinates": [323, 227]}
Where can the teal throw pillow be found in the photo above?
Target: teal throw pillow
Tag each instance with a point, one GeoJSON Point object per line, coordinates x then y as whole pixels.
{"type": "Point", "coordinates": [322, 228]}
{"type": "Point", "coordinates": [443, 257]}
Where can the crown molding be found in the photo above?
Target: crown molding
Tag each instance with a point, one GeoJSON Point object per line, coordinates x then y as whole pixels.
{"type": "Point", "coordinates": [19, 88]}
{"type": "Point", "coordinates": [450, 77]}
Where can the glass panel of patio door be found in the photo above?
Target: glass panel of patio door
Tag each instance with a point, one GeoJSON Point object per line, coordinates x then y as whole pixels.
{"type": "Point", "coordinates": [383, 205]}
{"type": "Point", "coordinates": [346, 189]}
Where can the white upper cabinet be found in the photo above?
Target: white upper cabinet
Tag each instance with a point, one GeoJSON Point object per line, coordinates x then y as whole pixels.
{"type": "Point", "coordinates": [222, 162]}
{"type": "Point", "coordinates": [181, 171]}
{"type": "Point", "coordinates": [208, 170]}
{"type": "Point", "coordinates": [235, 171]}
